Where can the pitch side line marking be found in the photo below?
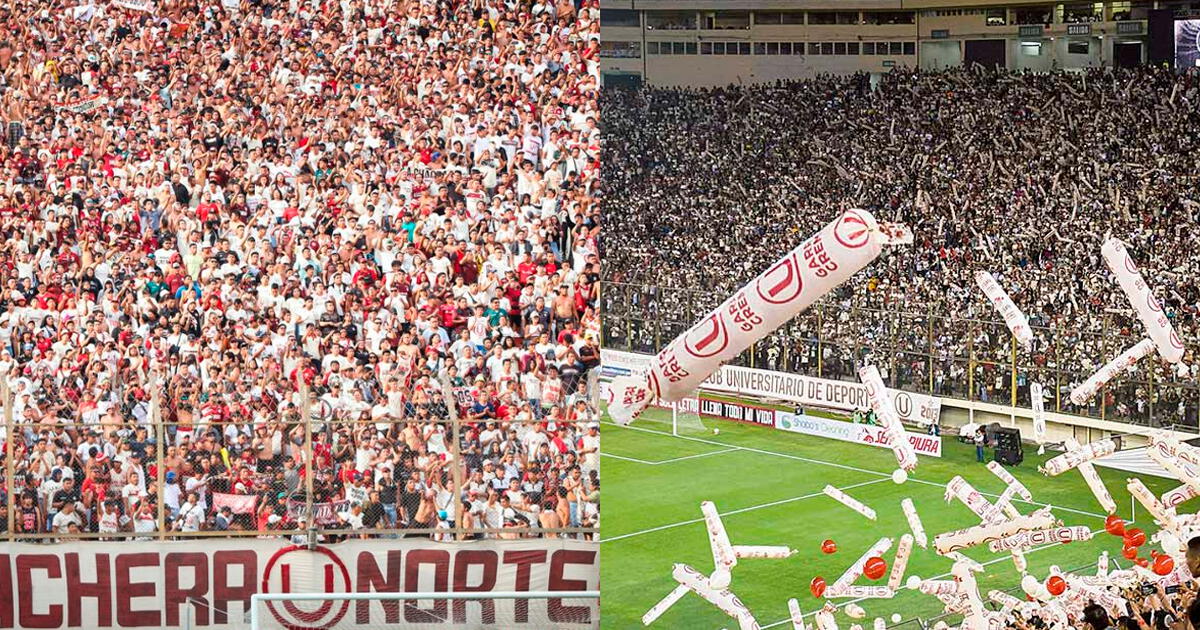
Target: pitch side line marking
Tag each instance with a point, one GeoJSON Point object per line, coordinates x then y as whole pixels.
{"type": "Point", "coordinates": [737, 511]}
{"type": "Point", "coordinates": [666, 461]}
{"type": "Point", "coordinates": [844, 467]}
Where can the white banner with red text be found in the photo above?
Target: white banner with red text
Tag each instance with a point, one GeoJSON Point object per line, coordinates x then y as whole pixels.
{"type": "Point", "coordinates": [871, 435]}
{"type": "Point", "coordinates": [151, 584]}
{"type": "Point", "coordinates": [912, 407]}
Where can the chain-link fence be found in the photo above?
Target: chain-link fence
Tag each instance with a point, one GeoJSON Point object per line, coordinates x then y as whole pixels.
{"type": "Point", "coordinates": [448, 462]}
{"type": "Point", "coordinates": [935, 353]}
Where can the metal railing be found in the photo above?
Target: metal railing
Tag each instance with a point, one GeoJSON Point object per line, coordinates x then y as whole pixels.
{"type": "Point", "coordinates": [311, 474]}
{"type": "Point", "coordinates": [929, 352]}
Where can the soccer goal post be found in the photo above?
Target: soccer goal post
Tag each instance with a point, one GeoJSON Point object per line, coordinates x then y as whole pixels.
{"type": "Point", "coordinates": [482, 610]}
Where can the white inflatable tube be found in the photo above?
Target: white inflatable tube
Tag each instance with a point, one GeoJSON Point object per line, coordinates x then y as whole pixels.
{"type": "Point", "coordinates": [722, 599]}
{"type": "Point", "coordinates": [914, 522]}
{"type": "Point", "coordinates": [1025, 540]}
{"type": "Point", "coordinates": [1124, 361]}
{"type": "Point", "coordinates": [796, 615]}
{"type": "Point", "coordinates": [960, 489]}
{"type": "Point", "coordinates": [1039, 413]}
{"type": "Point", "coordinates": [900, 563]}
{"type": "Point", "coordinates": [938, 587]}
{"type": "Point", "coordinates": [948, 542]}
{"type": "Point", "coordinates": [1004, 599]}
{"type": "Point", "coordinates": [1141, 297]}
{"type": "Point", "coordinates": [823, 619]}
{"type": "Point", "coordinates": [849, 501]}
{"type": "Point", "coordinates": [1183, 471]}
{"type": "Point", "coordinates": [797, 280]}
{"type": "Point", "coordinates": [965, 575]}
{"type": "Point", "coordinates": [959, 558]}
{"type": "Point", "coordinates": [1088, 470]}
{"type": "Point", "coordinates": [878, 549]}
{"type": "Point", "coordinates": [661, 607]}
{"type": "Point", "coordinates": [1076, 456]}
{"type": "Point", "coordinates": [1003, 505]}
{"type": "Point", "coordinates": [1018, 558]}
{"type": "Point", "coordinates": [1009, 480]}
{"type": "Point", "coordinates": [1164, 516]}
{"type": "Point", "coordinates": [762, 551]}
{"type": "Point", "coordinates": [724, 559]}
{"type": "Point", "coordinates": [881, 402]}
{"type": "Point", "coordinates": [860, 591]}
{"type": "Point", "coordinates": [1013, 317]}
{"type": "Point", "coordinates": [1173, 497]}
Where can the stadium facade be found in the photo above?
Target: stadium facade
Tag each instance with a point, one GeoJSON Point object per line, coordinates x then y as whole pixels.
{"type": "Point", "coordinates": [670, 43]}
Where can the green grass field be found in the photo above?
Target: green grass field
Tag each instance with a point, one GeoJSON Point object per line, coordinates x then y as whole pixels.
{"type": "Point", "coordinates": [767, 485]}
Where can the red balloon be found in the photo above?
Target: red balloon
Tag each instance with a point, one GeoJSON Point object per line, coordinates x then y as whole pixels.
{"type": "Point", "coordinates": [875, 568]}
{"type": "Point", "coordinates": [1163, 564]}
{"type": "Point", "coordinates": [817, 586]}
{"type": "Point", "coordinates": [1135, 537]}
{"type": "Point", "coordinates": [829, 546]}
{"type": "Point", "coordinates": [1142, 562]}
{"type": "Point", "coordinates": [1056, 585]}
{"type": "Point", "coordinates": [1114, 525]}
{"type": "Point", "coordinates": [1129, 551]}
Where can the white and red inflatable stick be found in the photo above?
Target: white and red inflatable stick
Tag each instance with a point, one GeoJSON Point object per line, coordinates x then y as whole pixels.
{"type": "Point", "coordinates": [860, 591]}
{"type": "Point", "coordinates": [823, 619]}
{"type": "Point", "coordinates": [795, 614]}
{"type": "Point", "coordinates": [849, 501]}
{"type": "Point", "coordinates": [878, 549]}
{"type": "Point", "coordinates": [881, 403]}
{"type": "Point", "coordinates": [663, 604]}
{"type": "Point", "coordinates": [1175, 496]}
{"type": "Point", "coordinates": [827, 259]}
{"type": "Point", "coordinates": [1073, 457]}
{"type": "Point", "coordinates": [1008, 479]}
{"type": "Point", "coordinates": [1013, 317]}
{"type": "Point", "coordinates": [1087, 389]}
{"type": "Point", "coordinates": [1141, 297]}
{"type": "Point", "coordinates": [938, 587]}
{"type": "Point", "coordinates": [724, 558]}
{"type": "Point", "coordinates": [1025, 540]}
{"type": "Point", "coordinates": [1096, 484]}
{"type": "Point", "coordinates": [900, 563]}
{"type": "Point", "coordinates": [777, 552]}
{"type": "Point", "coordinates": [961, 489]}
{"type": "Point", "coordinates": [948, 542]}
{"type": "Point", "coordinates": [1039, 413]}
{"type": "Point", "coordinates": [1163, 515]}
{"type": "Point", "coordinates": [914, 522]}
{"type": "Point", "coordinates": [692, 580]}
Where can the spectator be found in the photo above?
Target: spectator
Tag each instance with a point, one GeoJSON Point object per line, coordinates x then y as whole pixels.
{"type": "Point", "coordinates": [709, 187]}
{"type": "Point", "coordinates": [368, 218]}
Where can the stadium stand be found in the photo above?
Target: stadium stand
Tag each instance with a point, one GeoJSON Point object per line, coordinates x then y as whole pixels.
{"type": "Point", "coordinates": [265, 261]}
{"type": "Point", "coordinates": [1018, 173]}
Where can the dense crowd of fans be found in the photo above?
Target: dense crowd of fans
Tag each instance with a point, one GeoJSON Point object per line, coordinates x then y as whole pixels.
{"type": "Point", "coordinates": [393, 202]}
{"type": "Point", "coordinates": [1016, 173]}
{"type": "Point", "coordinates": [1138, 604]}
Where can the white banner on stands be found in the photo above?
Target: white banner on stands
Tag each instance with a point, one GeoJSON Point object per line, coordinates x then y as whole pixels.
{"type": "Point", "coordinates": [912, 407]}
{"type": "Point", "coordinates": [149, 584]}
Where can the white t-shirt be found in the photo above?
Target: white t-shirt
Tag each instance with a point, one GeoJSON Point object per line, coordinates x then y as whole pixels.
{"type": "Point", "coordinates": [64, 519]}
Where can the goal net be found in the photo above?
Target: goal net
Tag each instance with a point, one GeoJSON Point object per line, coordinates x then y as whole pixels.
{"type": "Point", "coordinates": [483, 610]}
